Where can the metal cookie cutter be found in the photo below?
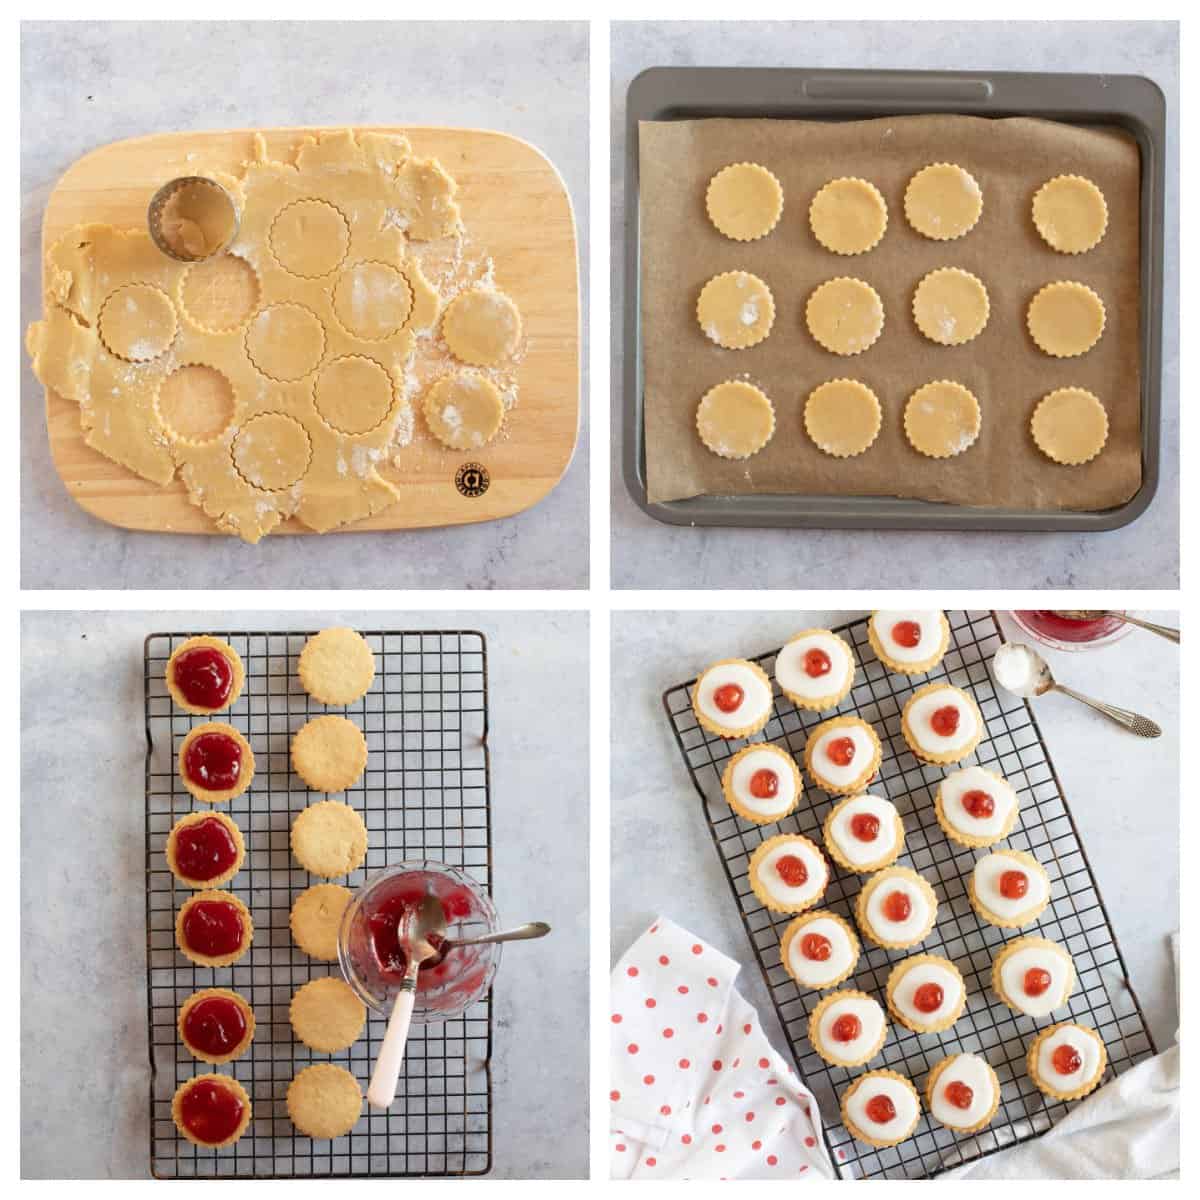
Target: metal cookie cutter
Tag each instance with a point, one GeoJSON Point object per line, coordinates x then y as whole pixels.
{"type": "Point", "coordinates": [192, 218]}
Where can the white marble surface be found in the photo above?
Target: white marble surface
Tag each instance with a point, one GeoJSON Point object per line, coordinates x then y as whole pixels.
{"type": "Point", "coordinates": [84, 1065]}
{"type": "Point", "coordinates": [1123, 792]}
{"type": "Point", "coordinates": [87, 83]}
{"type": "Point", "coordinates": [647, 554]}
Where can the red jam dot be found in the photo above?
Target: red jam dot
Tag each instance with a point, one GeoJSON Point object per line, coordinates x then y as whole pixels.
{"type": "Point", "coordinates": [897, 906]}
{"type": "Point", "coordinates": [864, 826]}
{"type": "Point", "coordinates": [881, 1110]}
{"type": "Point", "coordinates": [204, 677]}
{"type": "Point", "coordinates": [1037, 980]}
{"type": "Point", "coordinates": [213, 761]}
{"type": "Point", "coordinates": [945, 720]}
{"type": "Point", "coordinates": [846, 1028]}
{"type": "Point", "coordinates": [213, 928]}
{"type": "Point", "coordinates": [841, 751]}
{"type": "Point", "coordinates": [764, 783]}
{"type": "Point", "coordinates": [978, 804]}
{"type": "Point", "coordinates": [215, 1025]}
{"type": "Point", "coordinates": [792, 870]}
{"type": "Point", "coordinates": [1066, 1060]}
{"type": "Point", "coordinates": [816, 946]}
{"type": "Point", "coordinates": [211, 1111]}
{"type": "Point", "coordinates": [816, 663]}
{"type": "Point", "coordinates": [959, 1094]}
{"type": "Point", "coordinates": [906, 634]}
{"type": "Point", "coordinates": [205, 849]}
{"type": "Point", "coordinates": [728, 697]}
{"type": "Point", "coordinates": [928, 997]}
{"type": "Point", "coordinates": [1014, 884]}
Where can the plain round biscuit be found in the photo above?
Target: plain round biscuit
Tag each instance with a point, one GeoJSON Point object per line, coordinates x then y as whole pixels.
{"type": "Point", "coordinates": [329, 839]}
{"type": "Point", "coordinates": [336, 666]}
{"type": "Point", "coordinates": [329, 753]}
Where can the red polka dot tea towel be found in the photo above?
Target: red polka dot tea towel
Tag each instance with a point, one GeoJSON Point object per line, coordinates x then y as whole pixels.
{"type": "Point", "coordinates": [697, 1090]}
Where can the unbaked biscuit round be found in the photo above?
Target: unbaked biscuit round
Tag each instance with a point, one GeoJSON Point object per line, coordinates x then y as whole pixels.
{"type": "Point", "coordinates": [326, 1015]}
{"type": "Point", "coordinates": [482, 327]}
{"type": "Point", "coordinates": [744, 201]}
{"type": "Point", "coordinates": [950, 306]}
{"type": "Point", "coordinates": [735, 310]}
{"type": "Point", "coordinates": [336, 666]}
{"type": "Point", "coordinates": [1070, 213]}
{"type": "Point", "coordinates": [941, 419]}
{"type": "Point", "coordinates": [329, 753]}
{"type": "Point", "coordinates": [1069, 426]}
{"type": "Point", "coordinates": [848, 216]}
{"type": "Point", "coordinates": [1066, 319]}
{"type": "Point", "coordinates": [943, 201]}
{"type": "Point", "coordinates": [324, 1101]}
{"type": "Point", "coordinates": [316, 916]}
{"type": "Point", "coordinates": [735, 419]}
{"type": "Point", "coordinates": [329, 839]}
{"type": "Point", "coordinates": [843, 417]}
{"type": "Point", "coordinates": [845, 315]}
{"type": "Point", "coordinates": [137, 322]}
{"type": "Point", "coordinates": [464, 411]}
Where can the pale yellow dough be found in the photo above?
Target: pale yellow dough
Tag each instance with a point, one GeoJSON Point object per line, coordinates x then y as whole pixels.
{"type": "Point", "coordinates": [1070, 426]}
{"type": "Point", "coordinates": [950, 306]}
{"type": "Point", "coordinates": [1070, 213]}
{"type": "Point", "coordinates": [941, 419]}
{"type": "Point", "coordinates": [848, 216]}
{"type": "Point", "coordinates": [464, 411]}
{"type": "Point", "coordinates": [744, 201]}
{"type": "Point", "coordinates": [843, 417]}
{"type": "Point", "coordinates": [943, 201]}
{"type": "Point", "coordinates": [482, 327]}
{"type": "Point", "coordinates": [1066, 319]}
{"type": "Point", "coordinates": [845, 315]}
{"type": "Point", "coordinates": [735, 419]}
{"type": "Point", "coordinates": [736, 310]}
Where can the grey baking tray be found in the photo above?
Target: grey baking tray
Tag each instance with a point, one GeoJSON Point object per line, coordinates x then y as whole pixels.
{"type": "Point", "coordinates": [1131, 102]}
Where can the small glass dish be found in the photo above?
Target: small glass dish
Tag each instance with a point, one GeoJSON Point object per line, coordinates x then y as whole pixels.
{"type": "Point", "coordinates": [1052, 628]}
{"type": "Point", "coordinates": [372, 962]}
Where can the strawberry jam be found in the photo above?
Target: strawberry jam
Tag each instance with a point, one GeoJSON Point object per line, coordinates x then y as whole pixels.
{"type": "Point", "coordinates": [1036, 981]}
{"type": "Point", "coordinates": [764, 784]}
{"type": "Point", "coordinates": [846, 1028]}
{"type": "Point", "coordinates": [1014, 884]}
{"type": "Point", "coordinates": [215, 1026]}
{"type": "Point", "coordinates": [816, 947]}
{"type": "Point", "coordinates": [383, 923]}
{"type": "Point", "coordinates": [1065, 626]}
{"type": "Point", "coordinates": [213, 761]}
{"type": "Point", "coordinates": [959, 1094]}
{"type": "Point", "coordinates": [880, 1109]}
{"type": "Point", "coordinates": [792, 870]}
{"type": "Point", "coordinates": [816, 663]}
{"type": "Point", "coordinates": [945, 720]}
{"type": "Point", "coordinates": [213, 928]}
{"type": "Point", "coordinates": [897, 906]}
{"type": "Point", "coordinates": [841, 751]}
{"type": "Point", "coordinates": [205, 849]}
{"type": "Point", "coordinates": [907, 634]}
{"type": "Point", "coordinates": [928, 997]}
{"type": "Point", "coordinates": [204, 677]}
{"type": "Point", "coordinates": [728, 697]}
{"type": "Point", "coordinates": [978, 803]}
{"type": "Point", "coordinates": [211, 1111]}
{"type": "Point", "coordinates": [1066, 1059]}
{"type": "Point", "coordinates": [864, 826]}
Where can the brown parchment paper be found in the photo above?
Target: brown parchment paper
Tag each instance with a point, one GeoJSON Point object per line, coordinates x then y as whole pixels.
{"type": "Point", "coordinates": [681, 251]}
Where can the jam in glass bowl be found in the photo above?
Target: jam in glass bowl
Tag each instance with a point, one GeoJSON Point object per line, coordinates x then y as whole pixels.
{"type": "Point", "coordinates": [1069, 629]}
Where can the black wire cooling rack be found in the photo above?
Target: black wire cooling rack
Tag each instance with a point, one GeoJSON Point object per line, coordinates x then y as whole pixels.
{"type": "Point", "coordinates": [1075, 917]}
{"type": "Point", "coordinates": [425, 794]}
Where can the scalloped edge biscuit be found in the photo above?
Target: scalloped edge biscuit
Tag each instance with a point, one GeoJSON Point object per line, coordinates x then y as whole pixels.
{"type": "Point", "coordinates": [751, 333]}
{"type": "Point", "coordinates": [931, 1085]}
{"type": "Point", "coordinates": [227, 1080]}
{"type": "Point", "coordinates": [329, 753]}
{"type": "Point", "coordinates": [1046, 429]}
{"type": "Point", "coordinates": [796, 927]}
{"type": "Point", "coordinates": [1008, 949]}
{"type": "Point", "coordinates": [228, 994]}
{"type": "Point", "coordinates": [329, 839]}
{"type": "Point", "coordinates": [860, 781]}
{"type": "Point", "coordinates": [235, 663]}
{"type": "Point", "coordinates": [725, 222]}
{"type": "Point", "coordinates": [1081, 186]}
{"type": "Point", "coordinates": [844, 346]}
{"type": "Point", "coordinates": [762, 850]}
{"type": "Point", "coordinates": [744, 730]}
{"type": "Point", "coordinates": [918, 668]}
{"type": "Point", "coordinates": [326, 1014]}
{"type": "Point", "coordinates": [877, 880]}
{"type": "Point", "coordinates": [897, 973]}
{"type": "Point", "coordinates": [706, 426]}
{"type": "Point", "coordinates": [814, 1020]}
{"type": "Point", "coordinates": [821, 703]}
{"type": "Point", "coordinates": [857, 1133]}
{"type": "Point", "coordinates": [1023, 918]}
{"type": "Point", "coordinates": [820, 219]}
{"type": "Point", "coordinates": [324, 1101]}
{"type": "Point", "coordinates": [919, 440]}
{"type": "Point", "coordinates": [953, 756]}
{"type": "Point", "coordinates": [245, 771]}
{"type": "Point", "coordinates": [926, 229]}
{"type": "Point", "coordinates": [219, 960]}
{"type": "Point", "coordinates": [314, 930]}
{"type": "Point", "coordinates": [336, 666]}
{"type": "Point", "coordinates": [966, 839]}
{"type": "Point", "coordinates": [727, 777]}
{"type": "Point", "coordinates": [844, 448]}
{"type": "Point", "coordinates": [194, 818]}
{"type": "Point", "coordinates": [1031, 1058]}
{"type": "Point", "coordinates": [831, 846]}
{"type": "Point", "coordinates": [924, 319]}
{"type": "Point", "coordinates": [1035, 320]}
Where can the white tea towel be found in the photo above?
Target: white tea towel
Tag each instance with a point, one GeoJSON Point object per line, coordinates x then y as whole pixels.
{"type": "Point", "coordinates": [697, 1090]}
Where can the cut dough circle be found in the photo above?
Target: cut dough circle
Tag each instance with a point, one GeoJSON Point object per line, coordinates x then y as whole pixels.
{"type": "Point", "coordinates": [1069, 426]}
{"type": "Point", "coordinates": [845, 315]}
{"type": "Point", "coordinates": [848, 216]}
{"type": "Point", "coordinates": [1066, 319]}
{"type": "Point", "coordinates": [843, 417]}
{"type": "Point", "coordinates": [272, 451]}
{"type": "Point", "coordinates": [744, 201]}
{"type": "Point", "coordinates": [941, 419]}
{"type": "Point", "coordinates": [482, 327]}
{"type": "Point", "coordinates": [372, 300]}
{"type": "Point", "coordinates": [1070, 213]}
{"type": "Point", "coordinates": [137, 322]}
{"type": "Point", "coordinates": [310, 238]}
{"type": "Point", "coordinates": [735, 419]}
{"type": "Point", "coordinates": [353, 394]}
{"type": "Point", "coordinates": [943, 201]}
{"type": "Point", "coordinates": [196, 403]}
{"type": "Point", "coordinates": [736, 310]}
{"type": "Point", "coordinates": [285, 342]}
{"type": "Point", "coordinates": [219, 294]}
{"type": "Point", "coordinates": [950, 306]}
{"type": "Point", "coordinates": [464, 411]}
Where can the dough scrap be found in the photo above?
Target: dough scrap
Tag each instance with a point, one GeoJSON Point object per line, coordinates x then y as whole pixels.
{"type": "Point", "coordinates": [843, 417]}
{"type": "Point", "coordinates": [848, 216]}
{"type": "Point", "coordinates": [943, 201]}
{"type": "Point", "coordinates": [736, 310]}
{"type": "Point", "coordinates": [950, 306]}
{"type": "Point", "coordinates": [482, 327]}
{"type": "Point", "coordinates": [845, 315]}
{"type": "Point", "coordinates": [735, 419]}
{"type": "Point", "coordinates": [1070, 213]}
{"type": "Point", "coordinates": [464, 411]}
{"type": "Point", "coordinates": [1066, 319]}
{"type": "Point", "coordinates": [941, 419]}
{"type": "Point", "coordinates": [1069, 426]}
{"type": "Point", "coordinates": [744, 201]}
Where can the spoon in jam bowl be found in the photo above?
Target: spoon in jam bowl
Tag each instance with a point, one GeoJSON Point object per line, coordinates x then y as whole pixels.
{"type": "Point", "coordinates": [522, 933]}
{"type": "Point", "coordinates": [1090, 614]}
{"type": "Point", "coordinates": [421, 931]}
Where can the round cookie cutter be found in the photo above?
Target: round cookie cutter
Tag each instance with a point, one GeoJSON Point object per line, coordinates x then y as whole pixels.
{"type": "Point", "coordinates": [209, 209]}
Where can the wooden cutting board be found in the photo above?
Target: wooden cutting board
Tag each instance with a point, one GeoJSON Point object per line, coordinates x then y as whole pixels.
{"type": "Point", "coordinates": [515, 208]}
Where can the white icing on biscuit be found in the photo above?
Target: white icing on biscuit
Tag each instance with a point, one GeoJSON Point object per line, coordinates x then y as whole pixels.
{"type": "Point", "coordinates": [987, 874]}
{"type": "Point", "coordinates": [872, 1022]}
{"type": "Point", "coordinates": [852, 849]}
{"type": "Point", "coordinates": [1012, 978]}
{"type": "Point", "coordinates": [773, 883]}
{"type": "Point", "coordinates": [812, 972]}
{"type": "Point", "coordinates": [913, 927]}
{"type": "Point", "coordinates": [756, 699]}
{"type": "Point", "coordinates": [792, 677]}
{"type": "Point", "coordinates": [919, 712]}
{"type": "Point", "coordinates": [834, 773]}
{"type": "Point", "coordinates": [969, 779]}
{"type": "Point", "coordinates": [903, 1100]}
{"type": "Point", "coordinates": [929, 643]}
{"type": "Point", "coordinates": [764, 758]}
{"type": "Point", "coordinates": [903, 996]}
{"type": "Point", "coordinates": [1085, 1043]}
{"type": "Point", "coordinates": [977, 1075]}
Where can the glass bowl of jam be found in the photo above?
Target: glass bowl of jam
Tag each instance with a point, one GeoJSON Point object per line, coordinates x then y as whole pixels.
{"type": "Point", "coordinates": [1071, 629]}
{"type": "Point", "coordinates": [368, 940]}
